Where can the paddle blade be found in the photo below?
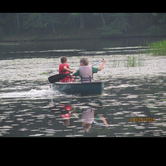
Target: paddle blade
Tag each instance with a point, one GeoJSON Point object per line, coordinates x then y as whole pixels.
{"type": "Point", "coordinates": [56, 78]}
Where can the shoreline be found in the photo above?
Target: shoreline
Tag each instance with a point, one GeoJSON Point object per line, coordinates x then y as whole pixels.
{"type": "Point", "coordinates": [59, 37]}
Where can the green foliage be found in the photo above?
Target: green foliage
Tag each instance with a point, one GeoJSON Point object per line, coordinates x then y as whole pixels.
{"type": "Point", "coordinates": [157, 48]}
{"type": "Point", "coordinates": [154, 14]}
{"type": "Point", "coordinates": [110, 24]}
{"type": "Point", "coordinates": [131, 61]}
{"type": "Point", "coordinates": [158, 23]}
{"type": "Point", "coordinates": [110, 30]}
{"type": "Point", "coordinates": [34, 20]}
{"type": "Point", "coordinates": [154, 29]}
{"type": "Point", "coordinates": [118, 26]}
{"type": "Point", "coordinates": [74, 14]}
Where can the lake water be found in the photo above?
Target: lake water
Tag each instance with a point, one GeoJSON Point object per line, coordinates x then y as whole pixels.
{"type": "Point", "coordinates": [133, 103]}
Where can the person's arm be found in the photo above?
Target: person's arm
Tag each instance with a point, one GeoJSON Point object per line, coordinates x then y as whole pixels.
{"type": "Point", "coordinates": [76, 115]}
{"type": "Point", "coordinates": [65, 68]}
{"type": "Point", "coordinates": [102, 65]}
{"type": "Point", "coordinates": [103, 119]}
{"type": "Point", "coordinates": [94, 69]}
{"type": "Point", "coordinates": [75, 73]}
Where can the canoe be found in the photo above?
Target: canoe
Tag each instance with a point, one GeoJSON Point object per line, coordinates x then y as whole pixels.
{"type": "Point", "coordinates": [89, 88]}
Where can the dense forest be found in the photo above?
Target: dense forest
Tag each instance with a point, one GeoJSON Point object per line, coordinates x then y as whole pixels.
{"type": "Point", "coordinates": [99, 24]}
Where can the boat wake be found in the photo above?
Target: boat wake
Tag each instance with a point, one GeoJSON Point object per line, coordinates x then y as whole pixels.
{"type": "Point", "coordinates": [33, 93]}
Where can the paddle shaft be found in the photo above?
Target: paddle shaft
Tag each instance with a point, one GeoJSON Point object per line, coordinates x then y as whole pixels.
{"type": "Point", "coordinates": [96, 63]}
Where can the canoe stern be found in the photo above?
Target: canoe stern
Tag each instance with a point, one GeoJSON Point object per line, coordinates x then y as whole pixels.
{"type": "Point", "coordinates": [95, 88]}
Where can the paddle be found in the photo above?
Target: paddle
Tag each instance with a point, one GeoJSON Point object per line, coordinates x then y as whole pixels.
{"type": "Point", "coordinates": [58, 77]}
{"type": "Point", "coordinates": [96, 63]}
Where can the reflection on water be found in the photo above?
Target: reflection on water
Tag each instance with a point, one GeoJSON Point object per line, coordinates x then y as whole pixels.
{"type": "Point", "coordinates": [69, 115]}
{"type": "Point", "coordinates": [84, 115]}
{"type": "Point", "coordinates": [29, 107]}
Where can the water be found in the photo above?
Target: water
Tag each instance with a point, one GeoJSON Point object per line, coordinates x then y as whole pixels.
{"type": "Point", "coordinates": [135, 87]}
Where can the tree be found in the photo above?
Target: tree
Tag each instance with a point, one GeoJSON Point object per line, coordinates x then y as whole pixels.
{"type": "Point", "coordinates": [32, 20]}
{"type": "Point", "coordinates": [82, 23]}
{"type": "Point", "coordinates": [118, 24]}
{"type": "Point", "coordinates": [110, 24]}
{"type": "Point", "coordinates": [72, 17]}
{"type": "Point", "coordinates": [101, 14]}
{"type": "Point", "coordinates": [18, 21]}
{"type": "Point", "coordinates": [50, 19]}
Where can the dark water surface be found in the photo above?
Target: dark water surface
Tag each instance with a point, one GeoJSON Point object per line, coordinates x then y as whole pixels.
{"type": "Point", "coordinates": [133, 102]}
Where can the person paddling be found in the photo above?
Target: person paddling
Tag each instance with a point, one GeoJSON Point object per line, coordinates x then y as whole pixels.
{"type": "Point", "coordinates": [64, 69]}
{"type": "Point", "coordinates": [86, 71]}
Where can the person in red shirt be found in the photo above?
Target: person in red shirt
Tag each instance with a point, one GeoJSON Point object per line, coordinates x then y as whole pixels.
{"type": "Point", "coordinates": [66, 111]}
{"type": "Point", "coordinates": [64, 69]}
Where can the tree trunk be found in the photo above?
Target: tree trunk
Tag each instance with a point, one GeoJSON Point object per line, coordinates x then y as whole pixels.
{"type": "Point", "coordinates": [70, 22]}
{"type": "Point", "coordinates": [82, 24]}
{"type": "Point", "coordinates": [18, 22]}
{"type": "Point", "coordinates": [53, 28]}
{"type": "Point", "coordinates": [102, 18]}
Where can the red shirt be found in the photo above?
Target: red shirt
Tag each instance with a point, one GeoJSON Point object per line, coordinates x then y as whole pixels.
{"type": "Point", "coordinates": [62, 71]}
{"type": "Point", "coordinates": [65, 116]}
{"type": "Point", "coordinates": [67, 108]}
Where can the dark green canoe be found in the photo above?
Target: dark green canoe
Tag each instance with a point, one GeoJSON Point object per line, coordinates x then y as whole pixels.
{"type": "Point", "coordinates": [89, 88]}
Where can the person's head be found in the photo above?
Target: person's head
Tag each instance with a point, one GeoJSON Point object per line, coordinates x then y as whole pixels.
{"type": "Point", "coordinates": [63, 59]}
{"type": "Point", "coordinates": [84, 62]}
{"type": "Point", "coordinates": [66, 122]}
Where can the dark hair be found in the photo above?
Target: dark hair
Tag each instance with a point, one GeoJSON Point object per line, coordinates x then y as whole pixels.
{"type": "Point", "coordinates": [84, 61]}
{"type": "Point", "coordinates": [63, 59]}
{"type": "Point", "coordinates": [66, 122]}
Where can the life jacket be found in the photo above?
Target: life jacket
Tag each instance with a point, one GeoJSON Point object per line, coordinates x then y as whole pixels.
{"type": "Point", "coordinates": [62, 71]}
{"type": "Point", "coordinates": [87, 115]}
{"type": "Point", "coordinates": [66, 107]}
{"type": "Point", "coordinates": [65, 116]}
{"type": "Point", "coordinates": [66, 113]}
{"type": "Point", "coordinates": [86, 73]}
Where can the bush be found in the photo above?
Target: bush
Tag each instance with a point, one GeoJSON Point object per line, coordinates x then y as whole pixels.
{"type": "Point", "coordinates": [157, 48]}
